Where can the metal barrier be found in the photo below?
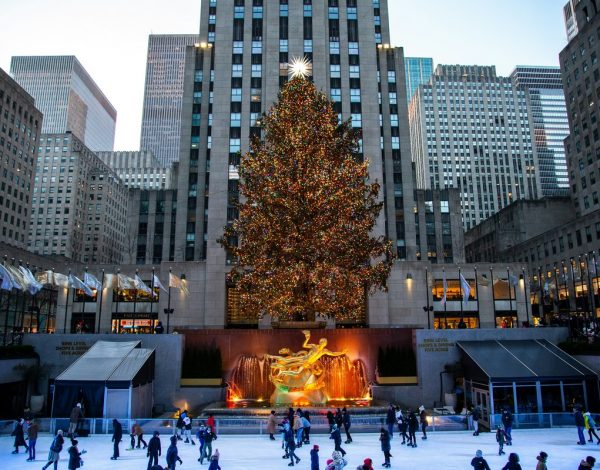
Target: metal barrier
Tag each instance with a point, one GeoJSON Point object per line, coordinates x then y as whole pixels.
{"type": "Point", "coordinates": [536, 420]}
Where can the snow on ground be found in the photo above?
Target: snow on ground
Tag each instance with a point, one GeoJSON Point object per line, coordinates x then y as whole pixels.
{"type": "Point", "coordinates": [441, 451]}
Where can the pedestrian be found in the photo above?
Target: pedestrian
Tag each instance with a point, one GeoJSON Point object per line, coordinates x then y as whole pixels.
{"type": "Point", "coordinates": [19, 436]}
{"type": "Point", "coordinates": [384, 438]}
{"type": "Point", "coordinates": [330, 420]}
{"type": "Point", "coordinates": [55, 450]}
{"type": "Point", "coordinates": [590, 425]}
{"type": "Point", "coordinates": [402, 424]}
{"type": "Point", "coordinates": [75, 460]}
{"type": "Point", "coordinates": [475, 417]}
{"type": "Point", "coordinates": [542, 459]}
{"type": "Point", "coordinates": [347, 423]}
{"type": "Point", "coordinates": [200, 433]}
{"type": "Point", "coordinates": [337, 439]}
{"type": "Point", "coordinates": [139, 433]}
{"type": "Point", "coordinates": [291, 446]}
{"type": "Point", "coordinates": [423, 421]}
{"type": "Point", "coordinates": [513, 462]}
{"type": "Point", "coordinates": [116, 438]}
{"type": "Point", "coordinates": [272, 425]}
{"type": "Point", "coordinates": [32, 433]}
{"type": "Point", "coordinates": [154, 450]}
{"type": "Point", "coordinates": [298, 428]}
{"type": "Point", "coordinates": [580, 423]}
{"type": "Point", "coordinates": [74, 417]}
{"type": "Point", "coordinates": [214, 461]}
{"type": "Point", "coordinates": [159, 329]}
{"type": "Point", "coordinates": [306, 422]}
{"type": "Point", "coordinates": [500, 439]}
{"type": "Point", "coordinates": [314, 458]}
{"type": "Point", "coordinates": [339, 461]}
{"type": "Point", "coordinates": [173, 454]}
{"type": "Point", "coordinates": [413, 425]}
{"type": "Point", "coordinates": [390, 420]}
{"type": "Point", "coordinates": [588, 463]}
{"type": "Point", "coordinates": [478, 462]}
{"type": "Point", "coordinates": [507, 422]}
{"type": "Point", "coordinates": [187, 424]}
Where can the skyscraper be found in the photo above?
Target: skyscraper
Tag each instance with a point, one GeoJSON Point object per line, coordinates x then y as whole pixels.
{"type": "Point", "coordinates": [163, 93]}
{"type": "Point", "coordinates": [418, 71]}
{"type": "Point", "coordinates": [471, 130]}
{"type": "Point", "coordinates": [550, 124]}
{"type": "Point", "coordinates": [569, 17]}
{"type": "Point", "coordinates": [68, 97]}
{"type": "Point", "coordinates": [138, 169]}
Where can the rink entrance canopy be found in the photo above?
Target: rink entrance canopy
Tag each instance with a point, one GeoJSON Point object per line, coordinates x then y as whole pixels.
{"type": "Point", "coordinates": [525, 376]}
{"type": "Point", "coordinates": [111, 380]}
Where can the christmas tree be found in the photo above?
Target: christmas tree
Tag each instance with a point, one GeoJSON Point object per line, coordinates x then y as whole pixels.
{"type": "Point", "coordinates": [304, 227]}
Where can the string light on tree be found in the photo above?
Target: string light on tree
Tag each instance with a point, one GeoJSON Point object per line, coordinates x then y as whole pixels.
{"type": "Point", "coordinates": [300, 67]}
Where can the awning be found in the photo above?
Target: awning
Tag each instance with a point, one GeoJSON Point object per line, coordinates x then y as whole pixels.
{"type": "Point", "coordinates": [521, 360]}
{"type": "Point", "coordinates": [136, 368]}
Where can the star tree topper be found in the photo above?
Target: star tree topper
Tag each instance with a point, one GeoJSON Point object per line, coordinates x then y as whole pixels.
{"type": "Point", "coordinates": [300, 67]}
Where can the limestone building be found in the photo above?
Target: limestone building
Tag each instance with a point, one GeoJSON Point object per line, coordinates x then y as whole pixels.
{"type": "Point", "coordinates": [139, 169]}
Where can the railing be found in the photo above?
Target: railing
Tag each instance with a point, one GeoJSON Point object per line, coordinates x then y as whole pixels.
{"type": "Point", "coordinates": [536, 420]}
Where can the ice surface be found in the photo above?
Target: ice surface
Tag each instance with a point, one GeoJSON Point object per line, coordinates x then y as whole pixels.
{"type": "Point", "coordinates": [441, 451]}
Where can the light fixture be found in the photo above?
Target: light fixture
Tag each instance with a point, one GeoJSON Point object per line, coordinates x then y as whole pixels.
{"type": "Point", "coordinates": [409, 277]}
{"type": "Point", "coordinates": [300, 67]}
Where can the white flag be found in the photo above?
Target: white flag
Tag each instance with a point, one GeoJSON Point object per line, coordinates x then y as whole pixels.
{"type": "Point", "coordinates": [7, 280]}
{"type": "Point", "coordinates": [158, 284]}
{"type": "Point", "coordinates": [514, 280]}
{"type": "Point", "coordinates": [33, 286]}
{"type": "Point", "coordinates": [125, 282]}
{"type": "Point", "coordinates": [139, 285]}
{"type": "Point", "coordinates": [18, 280]}
{"type": "Point", "coordinates": [60, 280]}
{"type": "Point", "coordinates": [77, 283]}
{"type": "Point", "coordinates": [178, 283]}
{"type": "Point", "coordinates": [92, 282]}
{"type": "Point", "coordinates": [466, 288]}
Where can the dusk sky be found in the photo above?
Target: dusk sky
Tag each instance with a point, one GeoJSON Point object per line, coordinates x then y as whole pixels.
{"type": "Point", "coordinates": [110, 38]}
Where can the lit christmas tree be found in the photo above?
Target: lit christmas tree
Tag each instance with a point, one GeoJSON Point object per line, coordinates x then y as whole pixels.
{"type": "Point", "coordinates": [304, 227]}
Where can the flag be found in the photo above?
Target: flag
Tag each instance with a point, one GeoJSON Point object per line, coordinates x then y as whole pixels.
{"type": "Point", "coordinates": [77, 283]}
{"type": "Point", "coordinates": [483, 280]}
{"type": "Point", "coordinates": [18, 280]}
{"type": "Point", "coordinates": [158, 284]}
{"type": "Point", "coordinates": [177, 283]}
{"type": "Point", "coordinates": [33, 286]}
{"type": "Point", "coordinates": [60, 280]}
{"type": "Point", "coordinates": [124, 282]}
{"type": "Point", "coordinates": [7, 280]}
{"type": "Point", "coordinates": [91, 281]}
{"type": "Point", "coordinates": [546, 287]}
{"type": "Point", "coordinates": [514, 280]}
{"type": "Point", "coordinates": [445, 285]}
{"type": "Point", "coordinates": [139, 285]}
{"type": "Point", "coordinates": [466, 288]}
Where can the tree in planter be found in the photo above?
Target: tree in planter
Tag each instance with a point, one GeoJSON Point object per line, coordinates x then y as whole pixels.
{"type": "Point", "coordinates": [35, 375]}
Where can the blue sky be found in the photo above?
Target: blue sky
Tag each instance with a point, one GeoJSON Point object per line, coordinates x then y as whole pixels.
{"type": "Point", "coordinates": [110, 38]}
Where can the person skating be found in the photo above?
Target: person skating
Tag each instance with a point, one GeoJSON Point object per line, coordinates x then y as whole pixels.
{"type": "Point", "coordinates": [139, 433]}
{"type": "Point", "coordinates": [402, 424]}
{"type": "Point", "coordinates": [173, 454]}
{"type": "Point", "coordinates": [413, 426]}
{"type": "Point", "coordinates": [346, 421]}
{"type": "Point", "coordinates": [209, 437]}
{"type": "Point", "coordinates": [423, 421]}
{"type": "Point", "coordinates": [330, 420]}
{"type": "Point", "coordinates": [75, 456]}
{"type": "Point", "coordinates": [580, 423]}
{"type": "Point", "coordinates": [214, 461]}
{"type": "Point", "coordinates": [291, 446]}
{"type": "Point", "coordinates": [179, 425]}
{"type": "Point", "coordinates": [55, 450]}
{"type": "Point", "coordinates": [390, 420]}
{"type": "Point", "coordinates": [272, 425]}
{"type": "Point", "coordinates": [478, 462]}
{"type": "Point", "coordinates": [187, 423]}
{"type": "Point", "coordinates": [285, 428]}
{"type": "Point", "coordinates": [475, 417]}
{"type": "Point", "coordinates": [337, 439]}
{"type": "Point", "coordinates": [513, 462]}
{"type": "Point", "coordinates": [210, 423]}
{"type": "Point", "coordinates": [154, 450]}
{"type": "Point", "coordinates": [32, 434]}
{"type": "Point", "coordinates": [590, 425]}
{"type": "Point", "coordinates": [116, 438]}
{"type": "Point", "coordinates": [587, 463]}
{"type": "Point", "coordinates": [19, 436]}
{"type": "Point", "coordinates": [507, 422]}
{"type": "Point", "coordinates": [200, 436]}
{"type": "Point", "coordinates": [132, 438]}
{"type": "Point", "coordinates": [542, 459]}
{"type": "Point", "coordinates": [500, 439]}
{"type": "Point", "coordinates": [306, 423]}
{"type": "Point", "coordinates": [338, 461]}
{"type": "Point", "coordinates": [314, 458]}
{"type": "Point", "coordinates": [74, 417]}
{"type": "Point", "coordinates": [367, 465]}
{"type": "Point", "coordinates": [291, 414]}
{"type": "Point", "coordinates": [384, 438]}
{"type": "Point", "coordinates": [298, 428]}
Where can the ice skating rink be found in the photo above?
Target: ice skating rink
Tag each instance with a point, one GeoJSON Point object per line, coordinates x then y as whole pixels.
{"type": "Point", "coordinates": [441, 451]}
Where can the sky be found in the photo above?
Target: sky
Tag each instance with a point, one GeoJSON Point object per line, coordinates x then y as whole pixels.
{"type": "Point", "coordinates": [110, 38]}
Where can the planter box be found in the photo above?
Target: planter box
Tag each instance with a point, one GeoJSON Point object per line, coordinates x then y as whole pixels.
{"type": "Point", "coordinates": [215, 382]}
{"type": "Point", "coordinates": [406, 380]}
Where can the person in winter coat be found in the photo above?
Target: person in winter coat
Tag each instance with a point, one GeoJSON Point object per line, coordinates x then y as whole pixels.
{"type": "Point", "coordinates": [590, 425]}
{"type": "Point", "coordinates": [209, 437]}
{"type": "Point", "coordinates": [32, 434]}
{"type": "Point", "coordinates": [542, 459]}
{"type": "Point", "coordinates": [154, 450]}
{"type": "Point", "coordinates": [478, 462]}
{"type": "Point", "coordinates": [347, 423]}
{"type": "Point", "coordinates": [475, 417]}
{"type": "Point", "coordinates": [338, 461]}
{"type": "Point", "coordinates": [291, 446]}
{"type": "Point", "coordinates": [116, 438]}
{"type": "Point", "coordinates": [339, 419]}
{"type": "Point", "coordinates": [580, 423]}
{"type": "Point", "coordinates": [210, 423]}
{"type": "Point", "coordinates": [139, 433]}
{"type": "Point", "coordinates": [173, 454]}
{"type": "Point", "coordinates": [132, 438]}
{"type": "Point", "coordinates": [330, 420]}
{"type": "Point", "coordinates": [513, 463]}
{"type": "Point", "coordinates": [187, 424]}
{"type": "Point", "coordinates": [214, 461]}
{"type": "Point", "coordinates": [500, 439]}
{"type": "Point", "coordinates": [337, 439]}
{"type": "Point", "coordinates": [74, 417]}
{"type": "Point", "coordinates": [306, 423]}
{"type": "Point", "coordinates": [402, 424]}
{"type": "Point", "coordinates": [588, 463]}
{"type": "Point", "coordinates": [413, 425]}
{"type": "Point", "coordinates": [423, 421]}
{"type": "Point", "coordinates": [384, 438]}
{"type": "Point", "coordinates": [19, 436]}
{"type": "Point", "coordinates": [55, 450]}
{"type": "Point", "coordinates": [298, 428]}
{"type": "Point", "coordinates": [507, 422]}
{"type": "Point", "coordinates": [314, 458]}
{"type": "Point", "coordinates": [200, 436]}
{"type": "Point", "coordinates": [390, 420]}
{"type": "Point", "coordinates": [367, 465]}
{"type": "Point", "coordinates": [74, 455]}
{"type": "Point", "coordinates": [291, 414]}
{"type": "Point", "coordinates": [179, 425]}
{"type": "Point", "coordinates": [272, 425]}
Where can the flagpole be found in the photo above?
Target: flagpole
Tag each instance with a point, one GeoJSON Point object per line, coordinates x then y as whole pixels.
{"type": "Point", "coordinates": [510, 296]}
{"type": "Point", "coordinates": [541, 300]}
{"type": "Point", "coordinates": [84, 299]}
{"type": "Point", "coordinates": [134, 300]}
{"type": "Point", "coordinates": [101, 295]}
{"type": "Point", "coordinates": [19, 313]}
{"type": "Point", "coordinates": [527, 301]}
{"type": "Point", "coordinates": [7, 306]}
{"type": "Point", "coordinates": [169, 302]}
{"type": "Point", "coordinates": [585, 312]}
{"type": "Point", "coordinates": [590, 289]}
{"type": "Point", "coordinates": [67, 301]}
{"type": "Point", "coordinates": [152, 298]}
{"type": "Point", "coordinates": [594, 281]}
{"type": "Point", "coordinates": [118, 294]}
{"type": "Point", "coordinates": [32, 308]}
{"type": "Point", "coordinates": [427, 296]}
{"type": "Point", "coordinates": [571, 261]}
{"type": "Point", "coordinates": [493, 295]}
{"type": "Point", "coordinates": [462, 313]}
{"type": "Point", "coordinates": [477, 296]}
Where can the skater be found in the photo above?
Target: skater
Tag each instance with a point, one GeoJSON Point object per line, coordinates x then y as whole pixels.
{"type": "Point", "coordinates": [423, 421]}
{"type": "Point", "coordinates": [507, 422]}
{"type": "Point", "coordinates": [209, 437]}
{"type": "Point", "coordinates": [475, 417]}
{"type": "Point", "coordinates": [179, 425]}
{"type": "Point", "coordinates": [314, 458]}
{"type": "Point", "coordinates": [187, 424]}
{"type": "Point", "coordinates": [132, 438]}
{"type": "Point", "coordinates": [337, 439]}
{"type": "Point", "coordinates": [76, 415]}
{"type": "Point", "coordinates": [390, 420]}
{"type": "Point", "coordinates": [330, 420]}
{"type": "Point", "coordinates": [290, 416]}
{"type": "Point", "coordinates": [478, 462]}
{"type": "Point", "coordinates": [298, 429]}
{"type": "Point", "coordinates": [580, 423]}
{"type": "Point", "coordinates": [513, 462]}
{"type": "Point", "coordinates": [210, 423]}
{"type": "Point", "coordinates": [272, 425]}
{"type": "Point", "coordinates": [214, 461]}
{"type": "Point", "coordinates": [413, 425]}
{"type": "Point", "coordinates": [32, 433]}
{"type": "Point", "coordinates": [402, 424]}
{"type": "Point", "coordinates": [285, 427]}
{"type": "Point", "coordinates": [75, 460]}
{"type": "Point", "coordinates": [384, 438]}
{"type": "Point", "coordinates": [588, 463]}
{"type": "Point", "coordinates": [338, 462]}
{"type": "Point", "coordinates": [19, 436]}
{"type": "Point", "coordinates": [306, 427]}
{"type": "Point", "coordinates": [339, 419]}
{"type": "Point", "coordinates": [590, 425]}
{"type": "Point", "coordinates": [116, 438]}
{"type": "Point", "coordinates": [55, 450]}
{"type": "Point", "coordinates": [347, 423]}
{"type": "Point", "coordinates": [542, 459]}
{"type": "Point", "coordinates": [200, 436]}
{"type": "Point", "coordinates": [291, 446]}
{"type": "Point", "coordinates": [367, 465]}
{"type": "Point", "coordinates": [139, 433]}
{"type": "Point", "coordinates": [500, 439]}
{"type": "Point", "coordinates": [173, 454]}
{"type": "Point", "coordinates": [154, 450]}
